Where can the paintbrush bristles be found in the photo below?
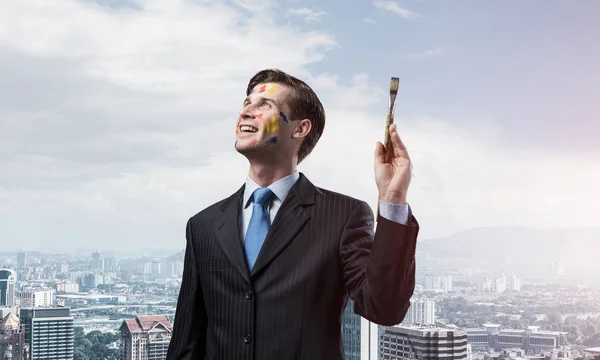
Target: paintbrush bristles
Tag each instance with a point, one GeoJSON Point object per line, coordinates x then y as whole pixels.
{"type": "Point", "coordinates": [394, 85]}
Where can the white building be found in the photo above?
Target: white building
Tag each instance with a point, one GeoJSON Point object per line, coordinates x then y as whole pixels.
{"type": "Point", "coordinates": [37, 297]}
{"type": "Point", "coordinates": [420, 312]}
{"type": "Point", "coordinates": [67, 286]}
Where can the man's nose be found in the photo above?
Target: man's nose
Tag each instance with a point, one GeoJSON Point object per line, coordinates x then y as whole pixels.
{"type": "Point", "coordinates": [247, 112]}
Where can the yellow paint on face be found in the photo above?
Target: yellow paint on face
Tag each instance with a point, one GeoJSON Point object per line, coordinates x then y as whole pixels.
{"type": "Point", "coordinates": [272, 125]}
{"type": "Point", "coordinates": [271, 90]}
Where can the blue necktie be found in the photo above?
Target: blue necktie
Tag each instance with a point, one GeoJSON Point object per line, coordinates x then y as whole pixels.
{"type": "Point", "coordinates": [259, 225]}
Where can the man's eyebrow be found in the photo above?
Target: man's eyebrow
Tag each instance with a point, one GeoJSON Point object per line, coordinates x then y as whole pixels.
{"type": "Point", "coordinates": [262, 98]}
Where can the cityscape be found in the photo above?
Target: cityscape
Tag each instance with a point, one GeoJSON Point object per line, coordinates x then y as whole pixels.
{"type": "Point", "coordinates": [127, 125]}
{"type": "Point", "coordinates": [106, 306]}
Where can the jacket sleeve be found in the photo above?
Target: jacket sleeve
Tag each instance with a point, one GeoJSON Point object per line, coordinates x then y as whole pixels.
{"type": "Point", "coordinates": [188, 340]}
{"type": "Point", "coordinates": [379, 266]}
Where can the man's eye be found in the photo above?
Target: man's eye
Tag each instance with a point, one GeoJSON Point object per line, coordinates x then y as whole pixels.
{"type": "Point", "coordinates": [265, 104]}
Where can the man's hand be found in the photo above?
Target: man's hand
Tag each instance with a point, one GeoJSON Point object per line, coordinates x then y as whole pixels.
{"type": "Point", "coordinates": [392, 169]}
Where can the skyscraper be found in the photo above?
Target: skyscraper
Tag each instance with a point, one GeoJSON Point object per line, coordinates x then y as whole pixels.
{"type": "Point", "coordinates": [351, 332]}
{"type": "Point", "coordinates": [7, 287]}
{"type": "Point", "coordinates": [21, 260]}
{"type": "Point", "coordinates": [49, 332]}
{"type": "Point", "coordinates": [360, 337]}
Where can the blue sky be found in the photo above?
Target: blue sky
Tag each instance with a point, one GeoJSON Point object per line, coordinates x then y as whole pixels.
{"type": "Point", "coordinates": [118, 120]}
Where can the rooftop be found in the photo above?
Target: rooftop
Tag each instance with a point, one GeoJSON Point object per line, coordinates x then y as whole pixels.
{"type": "Point", "coordinates": [148, 323]}
{"type": "Point", "coordinates": [10, 322]}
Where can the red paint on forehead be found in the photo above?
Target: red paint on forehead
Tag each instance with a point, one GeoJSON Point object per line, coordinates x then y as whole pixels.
{"type": "Point", "coordinates": [262, 88]}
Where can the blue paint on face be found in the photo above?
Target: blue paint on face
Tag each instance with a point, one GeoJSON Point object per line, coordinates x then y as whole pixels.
{"type": "Point", "coordinates": [272, 140]}
{"type": "Point", "coordinates": [283, 116]}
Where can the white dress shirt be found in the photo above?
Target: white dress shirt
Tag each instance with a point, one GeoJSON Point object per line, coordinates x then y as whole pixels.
{"type": "Point", "coordinates": [281, 188]}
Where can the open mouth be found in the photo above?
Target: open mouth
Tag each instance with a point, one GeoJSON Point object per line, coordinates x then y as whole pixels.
{"type": "Point", "coordinates": [248, 129]}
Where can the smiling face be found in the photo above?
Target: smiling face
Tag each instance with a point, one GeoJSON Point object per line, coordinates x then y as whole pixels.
{"type": "Point", "coordinates": [263, 128]}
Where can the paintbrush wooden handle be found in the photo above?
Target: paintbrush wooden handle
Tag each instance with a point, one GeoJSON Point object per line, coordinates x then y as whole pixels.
{"type": "Point", "coordinates": [394, 84]}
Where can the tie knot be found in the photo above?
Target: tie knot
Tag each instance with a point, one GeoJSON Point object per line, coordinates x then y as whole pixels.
{"type": "Point", "coordinates": [261, 196]}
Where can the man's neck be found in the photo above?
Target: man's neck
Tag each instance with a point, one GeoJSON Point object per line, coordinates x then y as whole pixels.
{"type": "Point", "coordinates": [265, 175]}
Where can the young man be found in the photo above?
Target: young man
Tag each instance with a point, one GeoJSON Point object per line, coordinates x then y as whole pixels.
{"type": "Point", "coordinates": [268, 271]}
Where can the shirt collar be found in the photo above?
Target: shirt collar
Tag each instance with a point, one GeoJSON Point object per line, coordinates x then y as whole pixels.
{"type": "Point", "coordinates": [280, 188]}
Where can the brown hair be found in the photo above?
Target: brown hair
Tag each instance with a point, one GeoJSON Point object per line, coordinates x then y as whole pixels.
{"type": "Point", "coordinates": [304, 104]}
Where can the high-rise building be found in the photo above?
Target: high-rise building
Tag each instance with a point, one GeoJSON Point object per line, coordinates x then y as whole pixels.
{"type": "Point", "coordinates": [12, 339]}
{"type": "Point", "coordinates": [438, 282]}
{"type": "Point", "coordinates": [7, 287]}
{"type": "Point", "coordinates": [351, 332]}
{"type": "Point", "coordinates": [111, 264]}
{"type": "Point", "coordinates": [447, 283]}
{"type": "Point", "coordinates": [67, 286]}
{"type": "Point", "coordinates": [360, 337]}
{"type": "Point", "coordinates": [420, 312]}
{"type": "Point", "coordinates": [145, 338]}
{"type": "Point", "coordinates": [49, 332]}
{"type": "Point", "coordinates": [97, 262]}
{"type": "Point", "coordinates": [37, 297]}
{"type": "Point", "coordinates": [21, 260]}
{"type": "Point", "coordinates": [515, 284]}
{"type": "Point", "coordinates": [423, 342]}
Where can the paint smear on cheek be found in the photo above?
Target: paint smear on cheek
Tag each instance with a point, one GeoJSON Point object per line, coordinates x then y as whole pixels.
{"type": "Point", "coordinates": [271, 90]}
{"type": "Point", "coordinates": [259, 116]}
{"type": "Point", "coordinates": [272, 125]}
{"type": "Point", "coordinates": [272, 140]}
{"type": "Point", "coordinates": [283, 116]}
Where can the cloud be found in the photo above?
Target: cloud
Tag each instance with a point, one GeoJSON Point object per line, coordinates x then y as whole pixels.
{"type": "Point", "coordinates": [369, 21]}
{"type": "Point", "coordinates": [394, 7]}
{"type": "Point", "coordinates": [424, 54]}
{"type": "Point", "coordinates": [118, 126]}
{"type": "Point", "coordinates": [308, 14]}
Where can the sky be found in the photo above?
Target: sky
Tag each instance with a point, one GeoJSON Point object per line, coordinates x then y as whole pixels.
{"type": "Point", "coordinates": [118, 116]}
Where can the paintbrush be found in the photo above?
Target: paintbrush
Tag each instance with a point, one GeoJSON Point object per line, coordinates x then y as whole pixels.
{"type": "Point", "coordinates": [394, 85]}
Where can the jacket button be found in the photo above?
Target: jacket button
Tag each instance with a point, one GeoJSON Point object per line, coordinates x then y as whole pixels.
{"type": "Point", "coordinates": [249, 295]}
{"type": "Point", "coordinates": [247, 339]}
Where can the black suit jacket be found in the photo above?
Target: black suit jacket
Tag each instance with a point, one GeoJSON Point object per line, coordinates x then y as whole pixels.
{"type": "Point", "coordinates": [320, 250]}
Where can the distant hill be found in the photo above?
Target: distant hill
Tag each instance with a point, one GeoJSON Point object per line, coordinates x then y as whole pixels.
{"type": "Point", "coordinates": [523, 244]}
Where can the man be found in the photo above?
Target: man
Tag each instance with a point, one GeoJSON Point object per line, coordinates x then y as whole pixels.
{"type": "Point", "coordinates": [268, 271]}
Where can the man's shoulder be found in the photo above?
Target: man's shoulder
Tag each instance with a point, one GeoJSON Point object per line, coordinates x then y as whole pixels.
{"type": "Point", "coordinates": [213, 210]}
{"type": "Point", "coordinates": [327, 195]}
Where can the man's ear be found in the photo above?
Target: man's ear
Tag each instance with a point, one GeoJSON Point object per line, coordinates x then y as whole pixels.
{"type": "Point", "coordinates": [302, 129]}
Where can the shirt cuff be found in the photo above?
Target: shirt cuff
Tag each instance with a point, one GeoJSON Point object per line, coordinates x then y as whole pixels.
{"type": "Point", "coordinates": [394, 212]}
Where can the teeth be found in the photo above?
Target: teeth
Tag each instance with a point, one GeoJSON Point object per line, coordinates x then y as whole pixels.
{"type": "Point", "coordinates": [248, 128]}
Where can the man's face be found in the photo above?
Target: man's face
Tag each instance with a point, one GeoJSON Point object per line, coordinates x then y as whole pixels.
{"type": "Point", "coordinates": [263, 122]}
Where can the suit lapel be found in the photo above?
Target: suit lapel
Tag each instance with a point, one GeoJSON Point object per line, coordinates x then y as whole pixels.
{"type": "Point", "coordinates": [228, 233]}
{"type": "Point", "coordinates": [290, 218]}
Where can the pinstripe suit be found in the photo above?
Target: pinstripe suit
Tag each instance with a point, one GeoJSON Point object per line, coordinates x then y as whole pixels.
{"type": "Point", "coordinates": [320, 250]}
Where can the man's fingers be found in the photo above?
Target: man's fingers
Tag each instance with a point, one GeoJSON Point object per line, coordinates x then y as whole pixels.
{"type": "Point", "coordinates": [399, 149]}
{"type": "Point", "coordinates": [379, 153]}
